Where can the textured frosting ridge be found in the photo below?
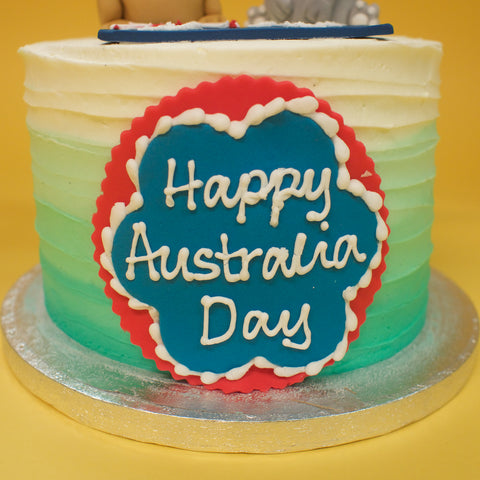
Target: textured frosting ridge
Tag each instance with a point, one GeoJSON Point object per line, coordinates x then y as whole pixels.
{"type": "Point", "coordinates": [81, 95]}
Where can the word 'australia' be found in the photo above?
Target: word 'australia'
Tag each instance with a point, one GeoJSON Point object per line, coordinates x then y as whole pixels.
{"type": "Point", "coordinates": [274, 259]}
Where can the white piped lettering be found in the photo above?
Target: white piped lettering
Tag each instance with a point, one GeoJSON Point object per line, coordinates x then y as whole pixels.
{"type": "Point", "coordinates": [190, 187]}
{"type": "Point", "coordinates": [217, 187]}
{"type": "Point", "coordinates": [274, 259]}
{"type": "Point", "coordinates": [260, 320]}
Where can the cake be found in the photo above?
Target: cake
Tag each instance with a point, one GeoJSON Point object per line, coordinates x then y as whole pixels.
{"type": "Point", "coordinates": [131, 142]}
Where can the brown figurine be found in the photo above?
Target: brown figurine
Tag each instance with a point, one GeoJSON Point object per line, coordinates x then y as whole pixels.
{"type": "Point", "coordinates": [158, 11]}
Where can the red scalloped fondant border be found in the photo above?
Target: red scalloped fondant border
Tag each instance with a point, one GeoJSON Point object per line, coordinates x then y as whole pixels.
{"type": "Point", "coordinates": [233, 97]}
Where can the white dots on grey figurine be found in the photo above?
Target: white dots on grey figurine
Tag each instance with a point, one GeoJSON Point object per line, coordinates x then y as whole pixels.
{"type": "Point", "coordinates": [347, 12]}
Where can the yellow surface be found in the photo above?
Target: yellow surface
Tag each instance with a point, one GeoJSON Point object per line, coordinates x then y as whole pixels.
{"type": "Point", "coordinates": [37, 442]}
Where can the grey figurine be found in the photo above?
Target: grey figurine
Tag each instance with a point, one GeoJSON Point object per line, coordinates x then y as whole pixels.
{"type": "Point", "coordinates": [347, 12]}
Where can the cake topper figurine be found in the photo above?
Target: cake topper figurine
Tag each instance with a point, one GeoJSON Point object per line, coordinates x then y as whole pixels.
{"type": "Point", "coordinates": [113, 12]}
{"type": "Point", "coordinates": [347, 12]}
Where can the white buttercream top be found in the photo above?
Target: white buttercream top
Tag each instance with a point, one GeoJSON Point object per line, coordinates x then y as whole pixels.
{"type": "Point", "coordinates": [87, 78]}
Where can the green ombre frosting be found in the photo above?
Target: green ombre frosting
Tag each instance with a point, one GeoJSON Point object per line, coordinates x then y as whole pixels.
{"type": "Point", "coordinates": [81, 95]}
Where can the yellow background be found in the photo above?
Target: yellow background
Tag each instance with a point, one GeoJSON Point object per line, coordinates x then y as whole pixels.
{"type": "Point", "coordinates": [38, 442]}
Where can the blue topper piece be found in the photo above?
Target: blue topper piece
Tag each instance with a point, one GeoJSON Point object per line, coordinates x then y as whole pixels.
{"type": "Point", "coordinates": [214, 33]}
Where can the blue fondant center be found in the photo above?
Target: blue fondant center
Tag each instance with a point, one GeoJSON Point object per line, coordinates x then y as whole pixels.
{"type": "Point", "coordinates": [285, 140]}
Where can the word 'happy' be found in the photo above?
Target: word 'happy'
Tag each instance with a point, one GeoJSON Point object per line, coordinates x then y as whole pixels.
{"type": "Point", "coordinates": [220, 184]}
{"type": "Point", "coordinates": [206, 264]}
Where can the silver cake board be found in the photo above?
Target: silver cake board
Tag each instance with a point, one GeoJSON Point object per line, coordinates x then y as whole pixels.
{"type": "Point", "coordinates": [322, 411]}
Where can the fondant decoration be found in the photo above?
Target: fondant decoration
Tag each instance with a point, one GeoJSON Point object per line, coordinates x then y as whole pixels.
{"type": "Point", "coordinates": [159, 11]}
{"type": "Point", "coordinates": [194, 31]}
{"type": "Point", "coordinates": [241, 233]}
{"type": "Point", "coordinates": [386, 90]}
{"type": "Point", "coordinates": [347, 12]}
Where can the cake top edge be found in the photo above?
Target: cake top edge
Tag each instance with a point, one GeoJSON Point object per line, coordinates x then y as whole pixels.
{"type": "Point", "coordinates": [76, 47]}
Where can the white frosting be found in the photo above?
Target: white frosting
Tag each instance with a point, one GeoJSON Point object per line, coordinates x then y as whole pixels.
{"type": "Point", "coordinates": [82, 90]}
{"type": "Point", "coordinates": [74, 85]}
{"type": "Point", "coordinates": [275, 259]}
{"type": "Point", "coordinates": [169, 26]}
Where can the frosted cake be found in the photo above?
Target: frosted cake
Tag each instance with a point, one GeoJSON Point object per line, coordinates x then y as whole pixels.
{"type": "Point", "coordinates": [259, 177]}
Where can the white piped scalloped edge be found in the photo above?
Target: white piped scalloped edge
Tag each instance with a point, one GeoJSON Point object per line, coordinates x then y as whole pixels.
{"type": "Point", "coordinates": [305, 106]}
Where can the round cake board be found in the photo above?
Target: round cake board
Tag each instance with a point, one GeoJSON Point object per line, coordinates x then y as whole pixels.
{"type": "Point", "coordinates": [322, 411]}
